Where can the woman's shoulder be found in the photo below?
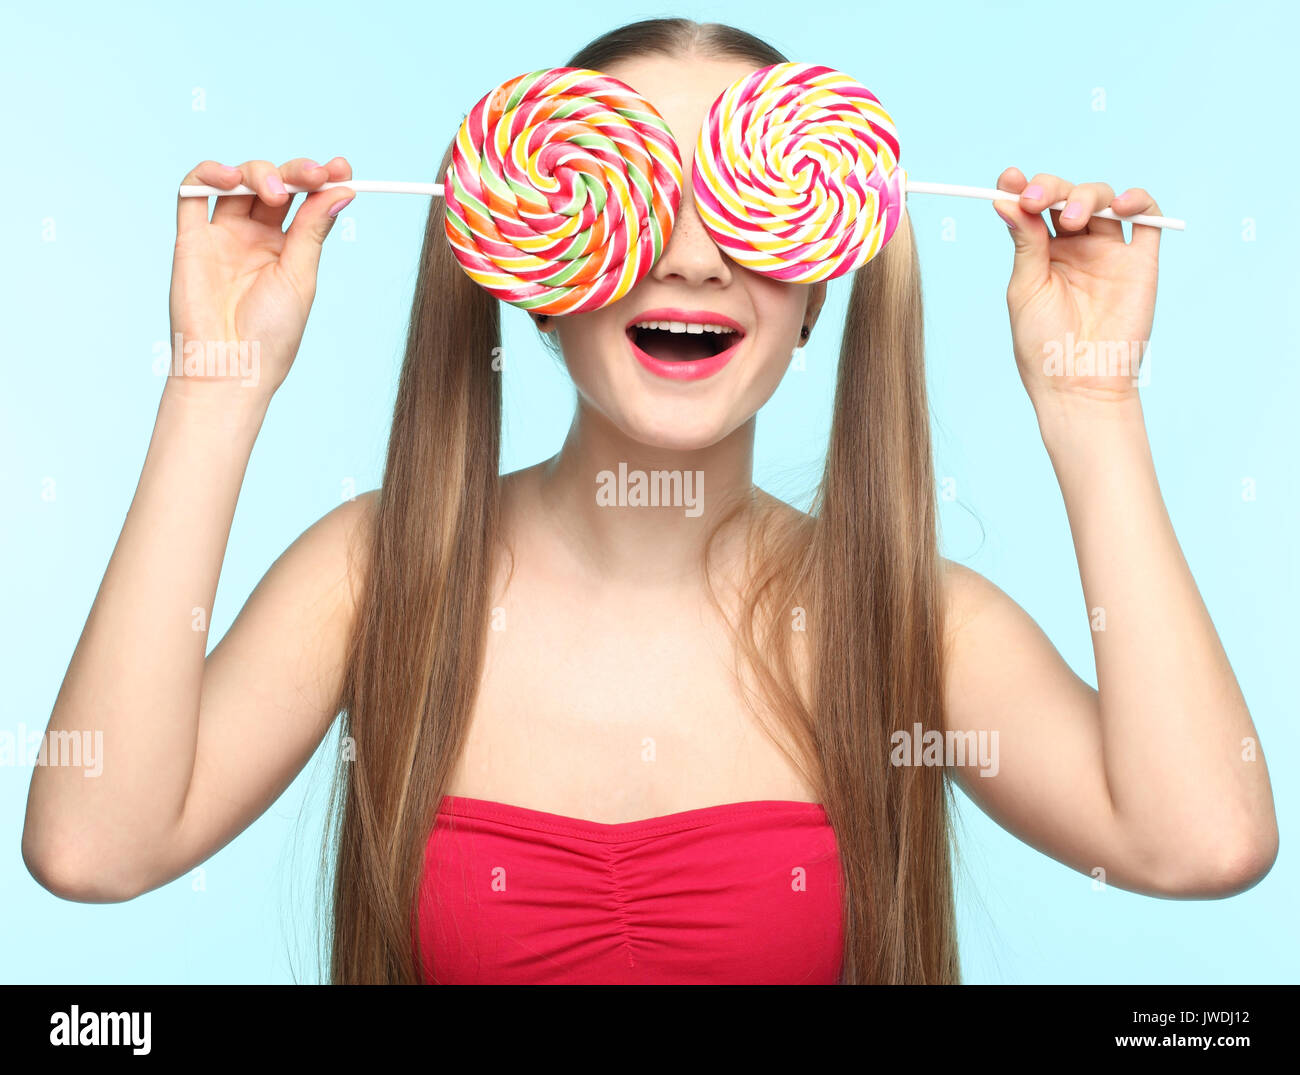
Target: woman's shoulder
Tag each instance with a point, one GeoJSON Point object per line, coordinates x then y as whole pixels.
{"type": "Point", "coordinates": [336, 545]}
{"type": "Point", "coordinates": [966, 590]}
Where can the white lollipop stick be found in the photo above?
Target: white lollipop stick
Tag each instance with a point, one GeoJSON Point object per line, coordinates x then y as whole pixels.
{"type": "Point", "coordinates": [989, 194]}
{"type": "Point", "coordinates": [366, 186]}
{"type": "Point", "coordinates": [387, 186]}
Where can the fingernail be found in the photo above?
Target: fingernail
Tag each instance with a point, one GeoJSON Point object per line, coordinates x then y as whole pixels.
{"type": "Point", "coordinates": [338, 207]}
{"type": "Point", "coordinates": [309, 163]}
{"type": "Point", "coordinates": [1005, 219]}
{"type": "Point", "coordinates": [274, 185]}
{"type": "Point", "coordinates": [1036, 191]}
{"type": "Point", "coordinates": [1073, 211]}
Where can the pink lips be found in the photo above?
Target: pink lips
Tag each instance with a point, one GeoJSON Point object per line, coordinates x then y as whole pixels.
{"type": "Point", "coordinates": [684, 371]}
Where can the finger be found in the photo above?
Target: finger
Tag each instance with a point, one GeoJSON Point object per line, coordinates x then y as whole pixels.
{"type": "Point", "coordinates": [1133, 201]}
{"type": "Point", "coordinates": [193, 212]}
{"type": "Point", "coordinates": [1081, 203]}
{"type": "Point", "coordinates": [258, 175]}
{"type": "Point", "coordinates": [313, 221]}
{"type": "Point", "coordinates": [299, 172]}
{"type": "Point", "coordinates": [273, 212]}
{"type": "Point", "coordinates": [1043, 190]}
{"type": "Point", "coordinates": [1012, 179]}
{"type": "Point", "coordinates": [302, 172]}
{"type": "Point", "coordinates": [337, 169]}
{"type": "Point", "coordinates": [1031, 239]}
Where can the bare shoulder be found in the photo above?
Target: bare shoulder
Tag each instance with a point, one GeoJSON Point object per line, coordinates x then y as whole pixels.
{"type": "Point", "coordinates": [350, 529]}
{"type": "Point", "coordinates": [317, 581]}
{"type": "Point", "coordinates": [336, 545]}
{"type": "Point", "coordinates": [309, 595]}
{"type": "Point", "coordinates": [967, 594]}
{"type": "Point", "coordinates": [345, 526]}
{"type": "Point", "coordinates": [993, 646]}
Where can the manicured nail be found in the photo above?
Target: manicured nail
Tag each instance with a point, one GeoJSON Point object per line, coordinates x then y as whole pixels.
{"type": "Point", "coordinates": [1005, 219]}
{"type": "Point", "coordinates": [1036, 191]}
{"type": "Point", "coordinates": [309, 163]}
{"type": "Point", "coordinates": [1073, 211]}
{"type": "Point", "coordinates": [338, 207]}
{"type": "Point", "coordinates": [274, 185]}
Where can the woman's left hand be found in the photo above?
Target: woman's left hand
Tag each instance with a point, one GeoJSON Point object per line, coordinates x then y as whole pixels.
{"type": "Point", "coordinates": [1081, 301]}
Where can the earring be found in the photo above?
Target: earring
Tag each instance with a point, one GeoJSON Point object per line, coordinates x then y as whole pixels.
{"type": "Point", "coordinates": [803, 333]}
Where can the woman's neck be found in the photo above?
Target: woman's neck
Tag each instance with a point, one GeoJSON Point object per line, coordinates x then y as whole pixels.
{"type": "Point", "coordinates": [637, 514]}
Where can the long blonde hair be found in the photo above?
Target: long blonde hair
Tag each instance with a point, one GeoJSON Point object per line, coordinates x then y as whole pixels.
{"type": "Point", "coordinates": [863, 564]}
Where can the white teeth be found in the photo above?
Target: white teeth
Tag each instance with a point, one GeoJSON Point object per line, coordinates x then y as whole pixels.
{"type": "Point", "coordinates": [683, 326]}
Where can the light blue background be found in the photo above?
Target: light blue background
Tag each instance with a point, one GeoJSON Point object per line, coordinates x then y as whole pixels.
{"type": "Point", "coordinates": [98, 129]}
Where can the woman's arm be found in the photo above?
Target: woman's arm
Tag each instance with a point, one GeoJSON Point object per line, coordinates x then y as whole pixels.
{"type": "Point", "coordinates": [191, 749]}
{"type": "Point", "coordinates": [1157, 777]}
{"type": "Point", "coordinates": [194, 750]}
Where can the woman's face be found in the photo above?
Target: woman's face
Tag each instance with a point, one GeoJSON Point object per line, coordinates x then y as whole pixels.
{"type": "Point", "coordinates": [668, 392]}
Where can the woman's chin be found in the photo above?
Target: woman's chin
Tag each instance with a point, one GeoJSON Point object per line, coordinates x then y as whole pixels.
{"type": "Point", "coordinates": [676, 432]}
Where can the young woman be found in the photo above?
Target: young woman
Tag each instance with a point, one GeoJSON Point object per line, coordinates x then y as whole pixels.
{"type": "Point", "coordinates": [595, 741]}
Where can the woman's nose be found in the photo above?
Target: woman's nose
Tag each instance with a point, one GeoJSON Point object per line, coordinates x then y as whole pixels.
{"type": "Point", "coordinates": [691, 254]}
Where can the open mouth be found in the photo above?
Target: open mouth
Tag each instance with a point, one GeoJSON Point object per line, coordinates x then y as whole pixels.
{"type": "Point", "coordinates": [668, 346]}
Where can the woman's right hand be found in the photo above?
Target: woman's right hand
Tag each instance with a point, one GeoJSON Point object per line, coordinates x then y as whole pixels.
{"type": "Point", "coordinates": [242, 285]}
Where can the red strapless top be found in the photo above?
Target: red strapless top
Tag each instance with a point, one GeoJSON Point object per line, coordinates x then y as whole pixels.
{"type": "Point", "coordinates": [742, 893]}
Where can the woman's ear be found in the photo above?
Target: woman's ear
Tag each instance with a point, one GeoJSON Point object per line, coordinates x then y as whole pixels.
{"type": "Point", "coordinates": [816, 297]}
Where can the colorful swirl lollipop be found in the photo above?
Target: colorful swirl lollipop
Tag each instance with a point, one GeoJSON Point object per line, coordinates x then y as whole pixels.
{"type": "Point", "coordinates": [562, 190]}
{"type": "Point", "coordinates": [796, 173]}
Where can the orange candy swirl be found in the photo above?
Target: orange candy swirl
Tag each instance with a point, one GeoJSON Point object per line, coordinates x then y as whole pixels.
{"type": "Point", "coordinates": [562, 191]}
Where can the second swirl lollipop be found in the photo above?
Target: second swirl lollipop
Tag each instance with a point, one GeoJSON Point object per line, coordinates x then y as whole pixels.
{"type": "Point", "coordinates": [562, 190]}
{"type": "Point", "coordinates": [796, 173]}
